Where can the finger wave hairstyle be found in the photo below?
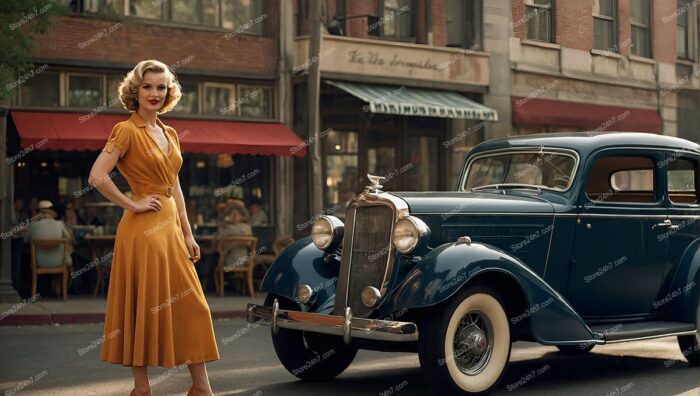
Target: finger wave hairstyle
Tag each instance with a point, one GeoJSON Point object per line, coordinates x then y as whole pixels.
{"type": "Point", "coordinates": [129, 87]}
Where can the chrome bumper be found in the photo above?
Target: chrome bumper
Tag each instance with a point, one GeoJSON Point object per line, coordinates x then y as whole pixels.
{"type": "Point", "coordinates": [345, 326]}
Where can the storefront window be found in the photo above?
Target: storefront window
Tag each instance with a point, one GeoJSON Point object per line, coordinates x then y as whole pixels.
{"type": "Point", "coordinates": [189, 102]}
{"type": "Point", "coordinates": [84, 90]}
{"type": "Point", "coordinates": [42, 90]}
{"type": "Point", "coordinates": [210, 182]}
{"type": "Point", "coordinates": [341, 149]}
{"type": "Point", "coordinates": [422, 169]}
{"type": "Point", "coordinates": [243, 14]}
{"type": "Point", "coordinates": [254, 101]}
{"type": "Point", "coordinates": [382, 157]}
{"type": "Point", "coordinates": [144, 8]}
{"type": "Point", "coordinates": [220, 99]}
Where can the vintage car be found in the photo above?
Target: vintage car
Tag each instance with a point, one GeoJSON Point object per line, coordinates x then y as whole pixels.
{"type": "Point", "coordinates": [571, 240]}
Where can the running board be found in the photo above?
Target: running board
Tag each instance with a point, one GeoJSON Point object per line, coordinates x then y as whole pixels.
{"type": "Point", "coordinates": [621, 332]}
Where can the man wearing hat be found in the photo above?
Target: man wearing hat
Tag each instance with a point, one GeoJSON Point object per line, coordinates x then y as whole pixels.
{"type": "Point", "coordinates": [45, 226]}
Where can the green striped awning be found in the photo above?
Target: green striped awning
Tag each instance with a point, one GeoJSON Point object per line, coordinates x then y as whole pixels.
{"type": "Point", "coordinates": [417, 101]}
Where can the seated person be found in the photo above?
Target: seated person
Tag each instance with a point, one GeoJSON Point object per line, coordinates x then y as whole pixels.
{"type": "Point", "coordinates": [232, 225]}
{"type": "Point", "coordinates": [258, 217]}
{"type": "Point", "coordinates": [49, 228]}
{"type": "Point", "coordinates": [235, 226]}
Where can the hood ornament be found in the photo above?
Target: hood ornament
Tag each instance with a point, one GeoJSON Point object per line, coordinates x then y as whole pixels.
{"type": "Point", "coordinates": [375, 186]}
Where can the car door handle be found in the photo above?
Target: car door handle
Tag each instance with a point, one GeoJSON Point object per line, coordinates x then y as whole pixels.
{"type": "Point", "coordinates": [666, 223]}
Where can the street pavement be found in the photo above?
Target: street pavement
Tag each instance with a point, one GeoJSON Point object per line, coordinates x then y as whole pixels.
{"type": "Point", "coordinates": [64, 360]}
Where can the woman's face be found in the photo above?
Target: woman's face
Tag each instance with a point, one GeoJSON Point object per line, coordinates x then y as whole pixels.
{"type": "Point", "coordinates": [235, 217]}
{"type": "Point", "coordinates": [153, 90]}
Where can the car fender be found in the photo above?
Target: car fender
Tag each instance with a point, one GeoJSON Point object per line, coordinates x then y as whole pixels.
{"type": "Point", "coordinates": [302, 263]}
{"type": "Point", "coordinates": [447, 268]}
{"type": "Point", "coordinates": [682, 296]}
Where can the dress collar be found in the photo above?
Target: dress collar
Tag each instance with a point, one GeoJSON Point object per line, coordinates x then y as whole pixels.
{"type": "Point", "coordinates": [139, 122]}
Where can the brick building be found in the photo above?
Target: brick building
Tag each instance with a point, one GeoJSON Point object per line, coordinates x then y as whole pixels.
{"type": "Point", "coordinates": [231, 119]}
{"type": "Point", "coordinates": [605, 65]}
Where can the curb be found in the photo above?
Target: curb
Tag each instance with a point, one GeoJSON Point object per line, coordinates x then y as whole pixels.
{"type": "Point", "coordinates": [84, 318]}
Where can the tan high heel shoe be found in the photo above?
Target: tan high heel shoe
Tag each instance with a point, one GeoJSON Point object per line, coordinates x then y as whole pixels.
{"type": "Point", "coordinates": [191, 392]}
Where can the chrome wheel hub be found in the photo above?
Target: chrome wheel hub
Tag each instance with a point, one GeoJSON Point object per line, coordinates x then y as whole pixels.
{"type": "Point", "coordinates": [473, 343]}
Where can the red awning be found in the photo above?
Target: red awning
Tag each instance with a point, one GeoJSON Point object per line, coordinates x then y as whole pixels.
{"type": "Point", "coordinates": [540, 112]}
{"type": "Point", "coordinates": [79, 131]}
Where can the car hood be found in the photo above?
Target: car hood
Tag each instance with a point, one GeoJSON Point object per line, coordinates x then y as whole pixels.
{"type": "Point", "coordinates": [474, 202]}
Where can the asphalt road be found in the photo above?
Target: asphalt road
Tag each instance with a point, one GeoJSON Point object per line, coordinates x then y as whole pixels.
{"type": "Point", "coordinates": [64, 360]}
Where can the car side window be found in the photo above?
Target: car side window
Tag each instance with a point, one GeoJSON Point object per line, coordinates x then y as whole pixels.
{"type": "Point", "coordinates": [683, 181]}
{"type": "Point", "coordinates": [625, 179]}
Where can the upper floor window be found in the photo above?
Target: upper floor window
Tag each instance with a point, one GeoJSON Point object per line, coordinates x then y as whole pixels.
{"type": "Point", "coordinates": [686, 24]}
{"type": "Point", "coordinates": [605, 25]}
{"type": "Point", "coordinates": [97, 92]}
{"type": "Point", "coordinates": [41, 90]}
{"type": "Point", "coordinates": [539, 17]}
{"type": "Point", "coordinates": [103, 6]}
{"type": "Point", "coordinates": [640, 17]}
{"type": "Point", "coordinates": [85, 90]}
{"type": "Point", "coordinates": [464, 23]}
{"type": "Point", "coordinates": [242, 16]}
{"type": "Point", "coordinates": [398, 20]}
{"type": "Point", "coordinates": [144, 8]}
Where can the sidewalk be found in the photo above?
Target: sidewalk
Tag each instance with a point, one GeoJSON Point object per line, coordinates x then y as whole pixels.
{"type": "Point", "coordinates": [85, 309]}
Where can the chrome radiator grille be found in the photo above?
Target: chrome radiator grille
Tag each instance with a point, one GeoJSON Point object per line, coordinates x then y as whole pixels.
{"type": "Point", "coordinates": [369, 252]}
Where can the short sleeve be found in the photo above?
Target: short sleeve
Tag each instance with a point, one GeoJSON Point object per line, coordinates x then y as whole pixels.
{"type": "Point", "coordinates": [119, 138]}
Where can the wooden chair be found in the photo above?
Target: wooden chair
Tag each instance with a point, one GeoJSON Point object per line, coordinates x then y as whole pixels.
{"type": "Point", "coordinates": [50, 244]}
{"type": "Point", "coordinates": [245, 265]}
{"type": "Point", "coordinates": [102, 271]}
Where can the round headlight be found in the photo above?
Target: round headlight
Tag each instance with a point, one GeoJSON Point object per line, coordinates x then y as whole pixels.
{"type": "Point", "coordinates": [408, 232]}
{"type": "Point", "coordinates": [327, 232]}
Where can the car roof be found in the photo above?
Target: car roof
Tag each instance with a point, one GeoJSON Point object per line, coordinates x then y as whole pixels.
{"type": "Point", "coordinates": [584, 142]}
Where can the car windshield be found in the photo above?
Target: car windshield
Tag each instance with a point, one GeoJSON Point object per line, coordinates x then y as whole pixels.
{"type": "Point", "coordinates": [540, 169]}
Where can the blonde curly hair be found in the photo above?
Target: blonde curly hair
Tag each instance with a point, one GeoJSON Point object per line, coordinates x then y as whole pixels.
{"type": "Point", "coordinates": [129, 86]}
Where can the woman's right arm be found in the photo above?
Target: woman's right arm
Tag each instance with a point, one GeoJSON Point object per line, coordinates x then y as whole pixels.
{"type": "Point", "coordinates": [99, 178]}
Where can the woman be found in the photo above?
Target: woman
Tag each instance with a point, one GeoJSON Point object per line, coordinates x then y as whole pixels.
{"type": "Point", "coordinates": [156, 311]}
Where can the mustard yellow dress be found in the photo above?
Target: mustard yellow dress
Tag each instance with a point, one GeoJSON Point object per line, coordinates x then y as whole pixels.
{"type": "Point", "coordinates": [156, 312]}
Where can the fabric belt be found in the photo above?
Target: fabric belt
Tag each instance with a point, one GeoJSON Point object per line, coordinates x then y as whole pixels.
{"type": "Point", "coordinates": [163, 189]}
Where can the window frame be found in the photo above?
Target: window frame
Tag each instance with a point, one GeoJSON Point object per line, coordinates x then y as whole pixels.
{"type": "Point", "coordinates": [59, 86]}
{"type": "Point", "coordinates": [695, 160]}
{"type": "Point", "coordinates": [414, 23]}
{"type": "Point", "coordinates": [103, 84]}
{"type": "Point", "coordinates": [162, 17]}
{"type": "Point", "coordinates": [552, 20]}
{"type": "Point", "coordinates": [166, 16]}
{"type": "Point", "coordinates": [476, 24]}
{"type": "Point", "coordinates": [692, 40]}
{"type": "Point", "coordinates": [266, 88]}
{"type": "Point", "coordinates": [646, 27]}
{"type": "Point", "coordinates": [653, 154]}
{"type": "Point", "coordinates": [215, 84]}
{"type": "Point", "coordinates": [615, 22]}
